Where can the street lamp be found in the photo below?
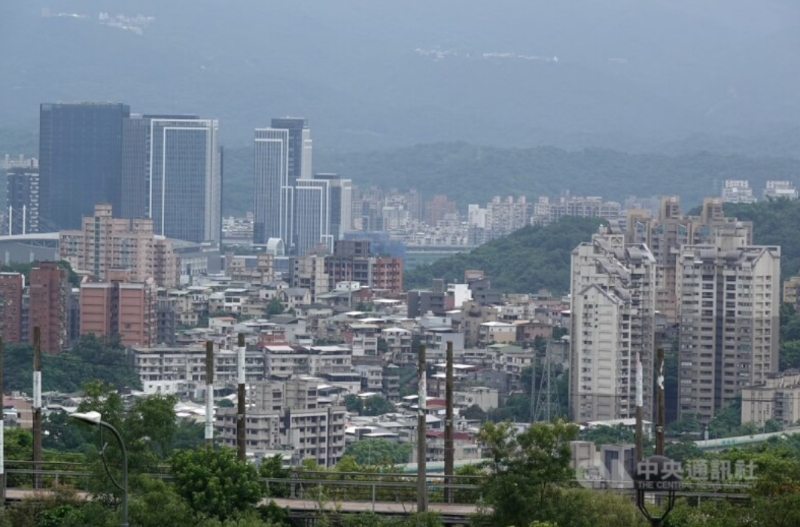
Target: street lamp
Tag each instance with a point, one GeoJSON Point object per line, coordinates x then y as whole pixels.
{"type": "Point", "coordinates": [95, 419]}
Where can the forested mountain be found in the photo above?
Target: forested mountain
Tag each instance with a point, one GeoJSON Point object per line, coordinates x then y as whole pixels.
{"type": "Point", "coordinates": [470, 173]}
{"type": "Point", "coordinates": [525, 261]}
{"type": "Point", "coordinates": [774, 223]}
{"type": "Point", "coordinates": [539, 257]}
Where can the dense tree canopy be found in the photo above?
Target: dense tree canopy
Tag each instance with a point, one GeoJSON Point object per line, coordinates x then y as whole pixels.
{"type": "Point", "coordinates": [372, 405]}
{"type": "Point", "coordinates": [379, 452]}
{"type": "Point", "coordinates": [215, 483]}
{"type": "Point", "coordinates": [91, 358]}
{"type": "Point", "coordinates": [527, 260]}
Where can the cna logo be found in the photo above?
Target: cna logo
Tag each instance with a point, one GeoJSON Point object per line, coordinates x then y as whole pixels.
{"type": "Point", "coordinates": [609, 472]}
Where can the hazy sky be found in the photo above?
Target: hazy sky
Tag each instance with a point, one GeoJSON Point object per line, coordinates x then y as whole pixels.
{"type": "Point", "coordinates": [371, 74]}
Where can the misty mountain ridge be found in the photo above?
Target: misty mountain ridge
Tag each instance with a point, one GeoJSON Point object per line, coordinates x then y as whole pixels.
{"type": "Point", "coordinates": [611, 73]}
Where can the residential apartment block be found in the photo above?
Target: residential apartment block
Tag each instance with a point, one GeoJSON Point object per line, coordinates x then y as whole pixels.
{"type": "Point", "coordinates": [612, 323]}
{"type": "Point", "coordinates": [119, 307]}
{"type": "Point", "coordinates": [666, 234]}
{"type": "Point", "coordinates": [106, 243]}
{"type": "Point", "coordinates": [12, 286]}
{"type": "Point", "coordinates": [776, 398]}
{"type": "Point", "coordinates": [47, 308]}
{"type": "Point", "coordinates": [288, 415]}
{"type": "Point", "coordinates": [728, 297]}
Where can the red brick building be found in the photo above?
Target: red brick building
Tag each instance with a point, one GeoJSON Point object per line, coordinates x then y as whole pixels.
{"type": "Point", "coordinates": [11, 286]}
{"type": "Point", "coordinates": [49, 290]}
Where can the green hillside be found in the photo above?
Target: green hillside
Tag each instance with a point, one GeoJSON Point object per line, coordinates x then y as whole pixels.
{"type": "Point", "coordinates": [469, 173]}
{"type": "Point", "coordinates": [527, 260]}
{"type": "Point", "coordinates": [774, 223]}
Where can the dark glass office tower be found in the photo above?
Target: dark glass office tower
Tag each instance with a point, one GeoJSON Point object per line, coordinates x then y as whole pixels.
{"type": "Point", "coordinates": [135, 163]}
{"type": "Point", "coordinates": [80, 160]}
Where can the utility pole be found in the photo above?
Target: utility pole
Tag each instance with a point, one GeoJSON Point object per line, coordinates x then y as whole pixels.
{"type": "Point", "coordinates": [422, 479]}
{"type": "Point", "coordinates": [449, 461]}
{"type": "Point", "coordinates": [660, 399]}
{"type": "Point", "coordinates": [37, 406]}
{"type": "Point", "coordinates": [241, 421]}
{"type": "Point", "coordinates": [2, 438]}
{"type": "Point", "coordinates": [209, 395]}
{"type": "Point", "coordinates": [639, 405]}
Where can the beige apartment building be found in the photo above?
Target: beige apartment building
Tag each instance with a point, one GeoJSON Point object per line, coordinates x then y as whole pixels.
{"type": "Point", "coordinates": [778, 398]}
{"type": "Point", "coordinates": [105, 243]}
{"type": "Point", "coordinates": [287, 415]}
{"type": "Point", "coordinates": [671, 230]}
{"type": "Point", "coordinates": [728, 298]}
{"type": "Point", "coordinates": [612, 321]}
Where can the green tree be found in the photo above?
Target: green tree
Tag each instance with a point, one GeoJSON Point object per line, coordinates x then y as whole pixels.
{"type": "Point", "coordinates": [379, 452]}
{"type": "Point", "coordinates": [215, 483]}
{"type": "Point", "coordinates": [474, 413]}
{"type": "Point", "coordinates": [524, 469]}
{"type": "Point", "coordinates": [608, 435]}
{"type": "Point", "coordinates": [158, 505]}
{"type": "Point", "coordinates": [789, 356]}
{"type": "Point", "coordinates": [377, 405]}
{"type": "Point", "coordinates": [272, 468]}
{"type": "Point", "coordinates": [274, 307]}
{"type": "Point", "coordinates": [153, 419]}
{"type": "Point", "coordinates": [353, 403]}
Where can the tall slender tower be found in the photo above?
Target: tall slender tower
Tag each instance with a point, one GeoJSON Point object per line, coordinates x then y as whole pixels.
{"type": "Point", "coordinates": [282, 157]}
{"type": "Point", "coordinates": [341, 204]}
{"type": "Point", "coordinates": [185, 184]}
{"type": "Point", "coordinates": [612, 320]}
{"type": "Point", "coordinates": [312, 216]}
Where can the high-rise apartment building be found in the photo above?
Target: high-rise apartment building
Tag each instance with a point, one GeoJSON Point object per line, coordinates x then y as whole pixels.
{"type": "Point", "coordinates": [122, 308]}
{"type": "Point", "coordinates": [340, 211]}
{"type": "Point", "coordinates": [80, 160]}
{"type": "Point", "coordinates": [282, 157]}
{"type": "Point", "coordinates": [11, 288]}
{"type": "Point", "coordinates": [106, 243]}
{"type": "Point", "coordinates": [612, 323]}
{"type": "Point", "coordinates": [22, 197]}
{"type": "Point", "coordinates": [666, 234]}
{"type": "Point", "coordinates": [49, 291]}
{"type": "Point", "coordinates": [728, 299]}
{"type": "Point", "coordinates": [546, 211]}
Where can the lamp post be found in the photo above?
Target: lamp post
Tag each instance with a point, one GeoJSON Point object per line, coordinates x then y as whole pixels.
{"type": "Point", "coordinates": [95, 419]}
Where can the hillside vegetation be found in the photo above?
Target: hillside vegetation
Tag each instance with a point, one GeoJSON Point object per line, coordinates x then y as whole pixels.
{"type": "Point", "coordinates": [774, 223]}
{"type": "Point", "coordinates": [469, 173]}
{"type": "Point", "coordinates": [527, 260]}
{"type": "Point", "coordinates": [539, 257]}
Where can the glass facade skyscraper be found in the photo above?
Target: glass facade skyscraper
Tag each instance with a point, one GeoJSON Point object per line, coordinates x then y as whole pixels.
{"type": "Point", "coordinates": [80, 160]}
{"type": "Point", "coordinates": [184, 181]}
{"type": "Point", "coordinates": [312, 215]}
{"type": "Point", "coordinates": [282, 157]}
